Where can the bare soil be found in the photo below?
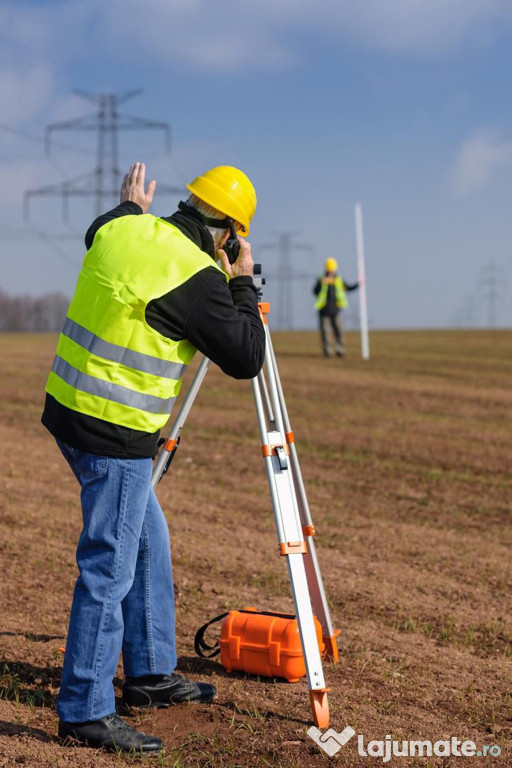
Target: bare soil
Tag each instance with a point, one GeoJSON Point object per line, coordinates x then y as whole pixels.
{"type": "Point", "coordinates": [407, 464]}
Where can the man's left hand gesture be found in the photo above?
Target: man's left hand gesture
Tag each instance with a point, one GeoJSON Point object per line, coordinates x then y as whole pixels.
{"type": "Point", "coordinates": [133, 187]}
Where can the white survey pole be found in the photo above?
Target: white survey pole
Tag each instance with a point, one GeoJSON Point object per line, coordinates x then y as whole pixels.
{"type": "Point", "coordinates": [363, 307]}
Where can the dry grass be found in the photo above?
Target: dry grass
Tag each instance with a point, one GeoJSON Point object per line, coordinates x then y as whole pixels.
{"type": "Point", "coordinates": [407, 464]}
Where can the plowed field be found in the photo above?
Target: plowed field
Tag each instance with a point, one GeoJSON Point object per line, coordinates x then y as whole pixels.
{"type": "Point", "coordinates": [407, 463]}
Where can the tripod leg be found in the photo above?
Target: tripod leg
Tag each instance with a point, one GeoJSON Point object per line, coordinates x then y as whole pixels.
{"type": "Point", "coordinates": [291, 540]}
{"type": "Point", "coordinates": [316, 587]}
{"type": "Point", "coordinates": [171, 443]}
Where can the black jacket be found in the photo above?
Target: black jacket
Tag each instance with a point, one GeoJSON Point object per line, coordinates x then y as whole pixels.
{"type": "Point", "coordinates": [220, 319]}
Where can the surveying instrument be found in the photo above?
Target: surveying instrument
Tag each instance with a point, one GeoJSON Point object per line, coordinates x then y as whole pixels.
{"type": "Point", "coordinates": [295, 530]}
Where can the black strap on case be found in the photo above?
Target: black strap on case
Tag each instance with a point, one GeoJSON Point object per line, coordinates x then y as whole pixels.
{"type": "Point", "coordinates": [200, 645]}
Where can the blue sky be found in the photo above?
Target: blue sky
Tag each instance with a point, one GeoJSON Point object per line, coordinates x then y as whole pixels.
{"type": "Point", "coordinates": [403, 105]}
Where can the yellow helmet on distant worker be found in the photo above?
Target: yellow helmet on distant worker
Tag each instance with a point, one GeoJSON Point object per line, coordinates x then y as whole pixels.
{"type": "Point", "coordinates": [331, 265]}
{"type": "Point", "coordinates": [229, 191]}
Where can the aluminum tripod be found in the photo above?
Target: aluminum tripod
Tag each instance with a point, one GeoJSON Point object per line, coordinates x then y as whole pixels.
{"type": "Point", "coordinates": [294, 526]}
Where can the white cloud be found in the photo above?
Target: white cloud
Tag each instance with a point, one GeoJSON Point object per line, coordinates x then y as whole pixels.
{"type": "Point", "coordinates": [222, 36]}
{"type": "Point", "coordinates": [37, 43]}
{"type": "Point", "coordinates": [48, 33]}
{"type": "Point", "coordinates": [226, 35]}
{"type": "Point", "coordinates": [15, 178]}
{"type": "Point", "coordinates": [422, 26]}
{"type": "Point", "coordinates": [21, 29]}
{"type": "Point", "coordinates": [23, 92]}
{"type": "Point", "coordinates": [247, 34]}
{"type": "Point", "coordinates": [479, 158]}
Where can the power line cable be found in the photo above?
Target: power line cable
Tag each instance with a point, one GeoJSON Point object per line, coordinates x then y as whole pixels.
{"type": "Point", "coordinates": [40, 140]}
{"type": "Point", "coordinates": [104, 181]}
{"type": "Point", "coordinates": [56, 249]}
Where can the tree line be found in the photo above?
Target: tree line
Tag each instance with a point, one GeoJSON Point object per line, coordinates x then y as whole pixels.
{"type": "Point", "coordinates": [32, 314]}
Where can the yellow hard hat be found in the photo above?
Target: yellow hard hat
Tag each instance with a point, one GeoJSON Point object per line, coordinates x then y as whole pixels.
{"type": "Point", "coordinates": [331, 265]}
{"type": "Point", "coordinates": [229, 191]}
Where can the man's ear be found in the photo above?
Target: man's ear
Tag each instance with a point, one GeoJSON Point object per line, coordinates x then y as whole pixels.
{"type": "Point", "coordinates": [224, 239]}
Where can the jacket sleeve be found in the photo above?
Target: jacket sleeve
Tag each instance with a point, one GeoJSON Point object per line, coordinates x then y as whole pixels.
{"type": "Point", "coordinates": [350, 286]}
{"type": "Point", "coordinates": [221, 320]}
{"type": "Point", "coordinates": [317, 286]}
{"type": "Point", "coordinates": [123, 209]}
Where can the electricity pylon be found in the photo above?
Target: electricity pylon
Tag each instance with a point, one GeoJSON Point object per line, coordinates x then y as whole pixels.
{"type": "Point", "coordinates": [285, 274]}
{"type": "Point", "coordinates": [492, 283]}
{"type": "Point", "coordinates": [466, 315]}
{"type": "Point", "coordinates": [105, 180]}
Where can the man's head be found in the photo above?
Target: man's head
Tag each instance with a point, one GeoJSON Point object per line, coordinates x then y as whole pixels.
{"type": "Point", "coordinates": [223, 193]}
{"type": "Point", "coordinates": [331, 265]}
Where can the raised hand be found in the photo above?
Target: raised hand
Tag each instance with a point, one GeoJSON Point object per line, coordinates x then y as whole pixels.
{"type": "Point", "coordinates": [132, 187]}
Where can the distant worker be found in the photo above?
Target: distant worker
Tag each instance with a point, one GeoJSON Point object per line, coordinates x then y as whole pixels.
{"type": "Point", "coordinates": [149, 295]}
{"type": "Point", "coordinates": [331, 292]}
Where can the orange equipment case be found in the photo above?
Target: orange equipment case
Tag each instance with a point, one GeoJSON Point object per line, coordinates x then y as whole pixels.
{"type": "Point", "coordinates": [264, 643]}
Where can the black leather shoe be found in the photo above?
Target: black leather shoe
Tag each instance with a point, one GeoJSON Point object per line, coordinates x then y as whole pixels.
{"type": "Point", "coordinates": [111, 733]}
{"type": "Point", "coordinates": [163, 690]}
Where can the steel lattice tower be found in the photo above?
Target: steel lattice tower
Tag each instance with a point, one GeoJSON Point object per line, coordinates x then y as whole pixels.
{"type": "Point", "coordinates": [105, 180]}
{"type": "Point", "coordinates": [285, 274]}
{"type": "Point", "coordinates": [492, 283]}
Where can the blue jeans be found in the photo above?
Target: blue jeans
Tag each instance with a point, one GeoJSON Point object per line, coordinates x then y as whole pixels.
{"type": "Point", "coordinates": [123, 599]}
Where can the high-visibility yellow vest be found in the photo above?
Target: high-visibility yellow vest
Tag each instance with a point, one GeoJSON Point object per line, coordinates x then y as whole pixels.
{"type": "Point", "coordinates": [110, 363]}
{"type": "Point", "coordinates": [339, 292]}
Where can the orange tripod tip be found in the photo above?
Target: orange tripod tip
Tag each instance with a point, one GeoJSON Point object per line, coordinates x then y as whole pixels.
{"type": "Point", "coordinates": [330, 651]}
{"type": "Point", "coordinates": [320, 708]}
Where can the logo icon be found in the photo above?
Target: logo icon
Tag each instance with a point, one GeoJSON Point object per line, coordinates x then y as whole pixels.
{"type": "Point", "coordinates": [331, 741]}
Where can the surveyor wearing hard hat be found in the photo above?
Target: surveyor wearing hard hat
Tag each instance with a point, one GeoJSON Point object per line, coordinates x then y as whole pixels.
{"type": "Point", "coordinates": [149, 295]}
{"type": "Point", "coordinates": [331, 297]}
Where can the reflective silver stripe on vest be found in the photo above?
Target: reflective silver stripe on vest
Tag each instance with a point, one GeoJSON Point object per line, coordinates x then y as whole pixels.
{"type": "Point", "coordinates": [115, 392]}
{"type": "Point", "coordinates": [118, 354]}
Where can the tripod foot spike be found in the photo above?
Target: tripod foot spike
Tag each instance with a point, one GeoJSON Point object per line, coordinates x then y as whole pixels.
{"type": "Point", "coordinates": [330, 651]}
{"type": "Point", "coordinates": [320, 707]}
